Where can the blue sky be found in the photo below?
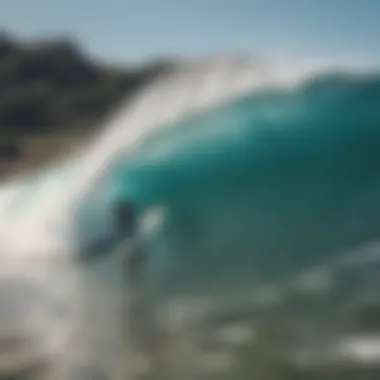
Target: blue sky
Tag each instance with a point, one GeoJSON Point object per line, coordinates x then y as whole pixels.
{"type": "Point", "coordinates": [134, 30]}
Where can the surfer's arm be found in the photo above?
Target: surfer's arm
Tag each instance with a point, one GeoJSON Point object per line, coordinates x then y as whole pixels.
{"type": "Point", "coordinates": [96, 249]}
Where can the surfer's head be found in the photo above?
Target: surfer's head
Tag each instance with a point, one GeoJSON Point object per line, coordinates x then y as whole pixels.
{"type": "Point", "coordinates": [125, 217]}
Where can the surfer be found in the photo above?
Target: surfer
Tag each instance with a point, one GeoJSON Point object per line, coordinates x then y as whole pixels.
{"type": "Point", "coordinates": [141, 329]}
{"type": "Point", "coordinates": [126, 225]}
{"type": "Point", "coordinates": [124, 236]}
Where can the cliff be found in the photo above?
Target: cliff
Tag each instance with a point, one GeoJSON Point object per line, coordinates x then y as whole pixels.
{"type": "Point", "coordinates": [52, 94]}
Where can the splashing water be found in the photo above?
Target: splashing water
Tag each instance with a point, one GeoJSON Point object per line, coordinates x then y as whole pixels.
{"type": "Point", "coordinates": [256, 184]}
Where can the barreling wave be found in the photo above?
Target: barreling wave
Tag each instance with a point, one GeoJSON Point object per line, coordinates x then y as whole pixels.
{"type": "Point", "coordinates": [252, 189]}
{"type": "Point", "coordinates": [261, 188]}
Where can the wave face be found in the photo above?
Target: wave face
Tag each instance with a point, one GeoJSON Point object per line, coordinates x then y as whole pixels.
{"type": "Point", "coordinates": [260, 189]}
{"type": "Point", "coordinates": [269, 187]}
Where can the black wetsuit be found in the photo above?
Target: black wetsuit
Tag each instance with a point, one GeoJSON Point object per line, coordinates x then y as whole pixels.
{"type": "Point", "coordinates": [125, 226]}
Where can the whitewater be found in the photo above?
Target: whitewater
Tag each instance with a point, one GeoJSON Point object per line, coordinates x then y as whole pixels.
{"type": "Point", "coordinates": [243, 180]}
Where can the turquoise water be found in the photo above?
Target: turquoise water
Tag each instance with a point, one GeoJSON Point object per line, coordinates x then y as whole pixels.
{"type": "Point", "coordinates": [261, 188]}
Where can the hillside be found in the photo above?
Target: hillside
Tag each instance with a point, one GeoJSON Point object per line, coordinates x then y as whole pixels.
{"type": "Point", "coordinates": [52, 93]}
